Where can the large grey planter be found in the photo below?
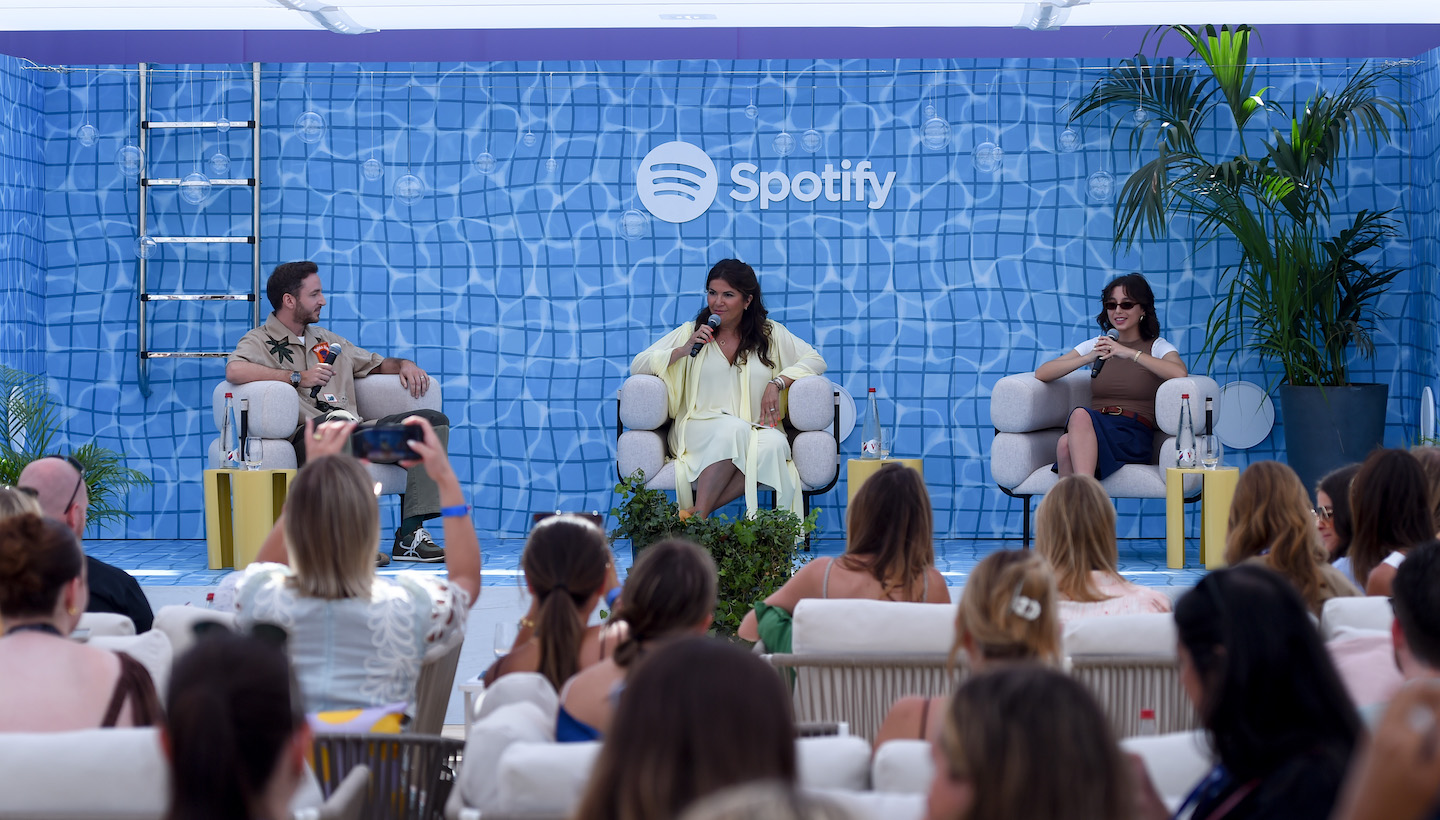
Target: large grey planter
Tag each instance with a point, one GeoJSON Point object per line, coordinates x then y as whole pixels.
{"type": "Point", "coordinates": [1329, 427]}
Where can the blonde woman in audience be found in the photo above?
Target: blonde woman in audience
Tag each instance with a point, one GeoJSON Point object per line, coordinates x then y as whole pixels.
{"type": "Point", "coordinates": [1391, 509]}
{"type": "Point", "coordinates": [669, 593]}
{"type": "Point", "coordinates": [888, 556]}
{"type": "Point", "coordinates": [568, 567]}
{"type": "Point", "coordinates": [48, 682]}
{"type": "Point", "coordinates": [1075, 532]}
{"type": "Point", "coordinates": [1272, 524]}
{"type": "Point", "coordinates": [696, 716]}
{"type": "Point", "coordinates": [1026, 741]}
{"type": "Point", "coordinates": [15, 501]}
{"type": "Point", "coordinates": [356, 640]}
{"type": "Point", "coordinates": [1008, 612]}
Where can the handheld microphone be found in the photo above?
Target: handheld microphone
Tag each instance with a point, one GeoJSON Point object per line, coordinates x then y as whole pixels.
{"type": "Point", "coordinates": [327, 355]}
{"type": "Point", "coordinates": [1099, 363]}
{"type": "Point", "coordinates": [713, 322]}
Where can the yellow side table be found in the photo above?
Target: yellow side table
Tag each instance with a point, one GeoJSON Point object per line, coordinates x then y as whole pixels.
{"type": "Point", "coordinates": [240, 510]}
{"type": "Point", "coordinates": [1217, 490]}
{"type": "Point", "coordinates": [859, 469]}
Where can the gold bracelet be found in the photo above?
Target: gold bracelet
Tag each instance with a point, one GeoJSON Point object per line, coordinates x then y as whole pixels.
{"type": "Point", "coordinates": [1137, 356]}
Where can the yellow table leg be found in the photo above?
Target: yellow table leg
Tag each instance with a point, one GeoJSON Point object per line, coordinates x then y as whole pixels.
{"type": "Point", "coordinates": [1219, 492]}
{"type": "Point", "coordinates": [1174, 518]}
{"type": "Point", "coordinates": [219, 532]}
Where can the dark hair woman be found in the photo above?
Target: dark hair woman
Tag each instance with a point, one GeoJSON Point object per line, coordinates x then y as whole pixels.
{"type": "Point", "coordinates": [1390, 508]}
{"type": "Point", "coordinates": [726, 399]}
{"type": "Point", "coordinates": [1333, 519]}
{"type": "Point", "coordinates": [697, 716]}
{"type": "Point", "coordinates": [669, 593]}
{"type": "Point", "coordinates": [889, 556]}
{"type": "Point", "coordinates": [1118, 427]}
{"type": "Point", "coordinates": [567, 568]}
{"type": "Point", "coordinates": [51, 683]}
{"type": "Point", "coordinates": [236, 734]}
{"type": "Point", "coordinates": [1273, 707]}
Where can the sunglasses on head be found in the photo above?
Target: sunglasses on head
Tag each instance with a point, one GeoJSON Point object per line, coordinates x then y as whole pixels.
{"type": "Point", "coordinates": [1125, 305]}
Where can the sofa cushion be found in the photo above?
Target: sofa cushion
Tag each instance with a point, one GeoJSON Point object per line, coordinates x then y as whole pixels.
{"type": "Point", "coordinates": [1146, 635]}
{"type": "Point", "coordinates": [274, 407]}
{"type": "Point", "coordinates": [178, 623]}
{"type": "Point", "coordinates": [816, 458]}
{"type": "Point", "coordinates": [1357, 613]}
{"type": "Point", "coordinates": [902, 766]}
{"type": "Point", "coordinates": [833, 762]}
{"type": "Point", "coordinates": [151, 649]}
{"type": "Point", "coordinates": [642, 450]}
{"type": "Point", "coordinates": [854, 625]}
{"type": "Point", "coordinates": [1175, 762]}
{"type": "Point", "coordinates": [519, 687]}
{"type": "Point", "coordinates": [116, 774]}
{"type": "Point", "coordinates": [544, 778]}
{"type": "Point", "coordinates": [644, 403]}
{"type": "Point", "coordinates": [862, 805]}
{"type": "Point", "coordinates": [487, 742]}
{"type": "Point", "coordinates": [380, 395]}
{"type": "Point", "coordinates": [105, 623]}
{"type": "Point", "coordinates": [810, 403]}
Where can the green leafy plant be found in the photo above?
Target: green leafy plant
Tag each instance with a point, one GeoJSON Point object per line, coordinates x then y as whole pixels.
{"type": "Point", "coordinates": [754, 556]}
{"type": "Point", "coordinates": [29, 422]}
{"type": "Point", "coordinates": [1301, 294]}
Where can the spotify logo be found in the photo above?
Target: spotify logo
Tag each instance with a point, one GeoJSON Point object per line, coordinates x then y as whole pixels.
{"type": "Point", "coordinates": [677, 182]}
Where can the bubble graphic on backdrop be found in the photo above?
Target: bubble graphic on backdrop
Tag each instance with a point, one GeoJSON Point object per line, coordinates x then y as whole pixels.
{"type": "Point", "coordinates": [194, 188]}
{"type": "Point", "coordinates": [485, 163]}
{"type": "Point", "coordinates": [87, 135]}
{"type": "Point", "coordinates": [936, 134]}
{"type": "Point", "coordinates": [633, 225]}
{"type": "Point", "coordinates": [1069, 140]}
{"type": "Point", "coordinates": [220, 164]}
{"type": "Point", "coordinates": [129, 160]}
{"type": "Point", "coordinates": [1141, 116]}
{"type": "Point", "coordinates": [551, 164]}
{"type": "Point", "coordinates": [988, 156]}
{"type": "Point", "coordinates": [529, 139]}
{"type": "Point", "coordinates": [310, 127]}
{"type": "Point", "coordinates": [1100, 186]}
{"type": "Point", "coordinates": [929, 112]}
{"type": "Point", "coordinates": [145, 247]}
{"type": "Point", "coordinates": [751, 112]}
{"type": "Point", "coordinates": [811, 141]}
{"type": "Point", "coordinates": [784, 144]}
{"type": "Point", "coordinates": [372, 169]}
{"type": "Point", "coordinates": [222, 125]}
{"type": "Point", "coordinates": [409, 189]}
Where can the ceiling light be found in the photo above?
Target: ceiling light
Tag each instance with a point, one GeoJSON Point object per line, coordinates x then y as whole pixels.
{"type": "Point", "coordinates": [687, 18]}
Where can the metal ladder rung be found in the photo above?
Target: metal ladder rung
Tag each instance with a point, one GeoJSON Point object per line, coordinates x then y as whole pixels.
{"type": "Point", "coordinates": [197, 297]}
{"type": "Point", "coordinates": [173, 182]}
{"type": "Point", "coordinates": [156, 354]}
{"type": "Point", "coordinates": [197, 124]}
{"type": "Point", "coordinates": [180, 240]}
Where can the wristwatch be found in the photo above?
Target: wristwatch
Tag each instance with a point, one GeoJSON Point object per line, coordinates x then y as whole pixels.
{"type": "Point", "coordinates": [295, 378]}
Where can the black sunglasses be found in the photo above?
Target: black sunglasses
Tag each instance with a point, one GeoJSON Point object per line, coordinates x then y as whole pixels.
{"type": "Point", "coordinates": [79, 482]}
{"type": "Point", "coordinates": [1125, 305]}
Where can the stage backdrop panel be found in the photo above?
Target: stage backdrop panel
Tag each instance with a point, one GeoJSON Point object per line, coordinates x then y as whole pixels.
{"type": "Point", "coordinates": [866, 193]}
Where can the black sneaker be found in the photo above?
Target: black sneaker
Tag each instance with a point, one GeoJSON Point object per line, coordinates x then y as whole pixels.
{"type": "Point", "coordinates": [417, 546]}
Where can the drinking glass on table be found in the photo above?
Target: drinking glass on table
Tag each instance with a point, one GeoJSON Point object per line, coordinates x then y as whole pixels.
{"type": "Point", "coordinates": [254, 451]}
{"type": "Point", "coordinates": [1209, 448]}
{"type": "Point", "coordinates": [504, 638]}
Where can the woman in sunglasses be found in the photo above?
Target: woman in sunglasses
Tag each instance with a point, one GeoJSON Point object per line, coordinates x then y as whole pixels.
{"type": "Point", "coordinates": [1128, 364]}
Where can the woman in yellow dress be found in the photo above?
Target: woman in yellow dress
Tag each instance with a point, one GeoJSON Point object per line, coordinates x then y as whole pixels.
{"type": "Point", "coordinates": [726, 399]}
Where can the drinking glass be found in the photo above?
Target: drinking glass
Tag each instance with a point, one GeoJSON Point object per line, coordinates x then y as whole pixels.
{"type": "Point", "coordinates": [1210, 450]}
{"type": "Point", "coordinates": [254, 448]}
{"type": "Point", "coordinates": [504, 638]}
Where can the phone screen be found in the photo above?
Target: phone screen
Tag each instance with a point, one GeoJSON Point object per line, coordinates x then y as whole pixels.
{"type": "Point", "coordinates": [385, 444]}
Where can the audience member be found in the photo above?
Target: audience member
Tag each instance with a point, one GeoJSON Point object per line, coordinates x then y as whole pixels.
{"type": "Point", "coordinates": [59, 485]}
{"type": "Point", "coordinates": [1397, 777]}
{"type": "Point", "coordinates": [358, 641]}
{"type": "Point", "coordinates": [1007, 613]}
{"type": "Point", "coordinates": [1075, 532]}
{"type": "Point", "coordinates": [1332, 518]}
{"type": "Point", "coordinates": [670, 592]}
{"type": "Point", "coordinates": [765, 801]}
{"type": "Point", "coordinates": [1416, 601]}
{"type": "Point", "coordinates": [13, 502]}
{"type": "Point", "coordinates": [1429, 458]}
{"type": "Point", "coordinates": [568, 567]}
{"type": "Point", "coordinates": [1275, 713]}
{"type": "Point", "coordinates": [696, 716]}
{"type": "Point", "coordinates": [1390, 508]}
{"type": "Point", "coordinates": [888, 557]}
{"type": "Point", "coordinates": [1025, 741]}
{"type": "Point", "coordinates": [236, 734]}
{"type": "Point", "coordinates": [51, 683]}
{"type": "Point", "coordinates": [1272, 524]}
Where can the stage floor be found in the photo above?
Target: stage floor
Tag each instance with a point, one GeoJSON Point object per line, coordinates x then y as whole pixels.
{"type": "Point", "coordinates": [183, 563]}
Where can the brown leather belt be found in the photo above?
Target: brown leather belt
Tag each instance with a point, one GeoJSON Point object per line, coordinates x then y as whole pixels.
{"type": "Point", "coordinates": [1129, 414]}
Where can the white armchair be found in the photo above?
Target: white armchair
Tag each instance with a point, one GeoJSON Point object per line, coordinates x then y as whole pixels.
{"type": "Point", "coordinates": [275, 407]}
{"type": "Point", "coordinates": [1029, 417]}
{"type": "Point", "coordinates": [813, 404]}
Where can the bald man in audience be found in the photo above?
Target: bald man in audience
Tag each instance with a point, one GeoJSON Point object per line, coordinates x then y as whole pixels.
{"type": "Point", "coordinates": [60, 489]}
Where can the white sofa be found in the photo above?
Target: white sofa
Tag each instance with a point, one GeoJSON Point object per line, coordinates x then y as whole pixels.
{"type": "Point", "coordinates": [1029, 417]}
{"type": "Point", "coordinates": [1175, 762]}
{"type": "Point", "coordinates": [275, 409]}
{"type": "Point", "coordinates": [643, 420]}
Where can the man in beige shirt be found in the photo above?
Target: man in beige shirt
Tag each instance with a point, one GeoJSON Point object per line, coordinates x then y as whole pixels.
{"type": "Point", "coordinates": [287, 349]}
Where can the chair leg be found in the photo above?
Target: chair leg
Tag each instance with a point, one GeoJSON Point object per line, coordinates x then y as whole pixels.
{"type": "Point", "coordinates": [1027, 523]}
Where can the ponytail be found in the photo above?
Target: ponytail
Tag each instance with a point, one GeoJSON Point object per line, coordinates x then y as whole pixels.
{"type": "Point", "coordinates": [559, 632]}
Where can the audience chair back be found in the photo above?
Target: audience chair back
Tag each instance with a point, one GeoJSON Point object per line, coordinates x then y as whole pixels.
{"type": "Point", "coordinates": [410, 776]}
{"type": "Point", "coordinates": [432, 690]}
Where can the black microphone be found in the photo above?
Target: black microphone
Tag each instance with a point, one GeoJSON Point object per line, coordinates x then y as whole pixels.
{"type": "Point", "coordinates": [326, 356]}
{"type": "Point", "coordinates": [1099, 363]}
{"type": "Point", "coordinates": [713, 322]}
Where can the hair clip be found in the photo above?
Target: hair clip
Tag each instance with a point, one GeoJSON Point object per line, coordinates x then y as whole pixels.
{"type": "Point", "coordinates": [1023, 605]}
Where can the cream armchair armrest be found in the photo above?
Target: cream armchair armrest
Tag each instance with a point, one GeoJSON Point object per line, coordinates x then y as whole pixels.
{"type": "Point", "coordinates": [1021, 403]}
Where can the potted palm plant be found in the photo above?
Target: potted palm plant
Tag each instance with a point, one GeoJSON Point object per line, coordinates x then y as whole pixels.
{"type": "Point", "coordinates": [1303, 293]}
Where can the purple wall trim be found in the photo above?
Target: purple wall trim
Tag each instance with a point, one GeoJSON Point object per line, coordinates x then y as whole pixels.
{"type": "Point", "coordinates": [117, 47]}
